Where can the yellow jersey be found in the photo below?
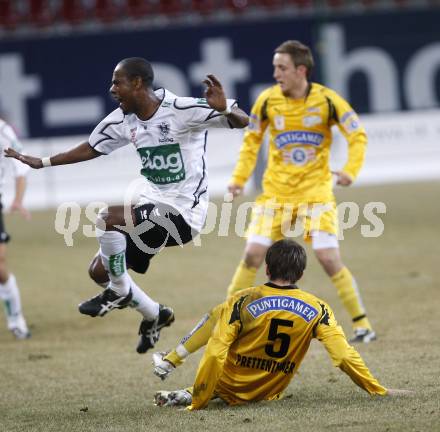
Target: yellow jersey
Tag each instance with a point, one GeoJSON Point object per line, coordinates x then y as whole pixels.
{"type": "Point", "coordinates": [260, 340]}
{"type": "Point", "coordinates": [300, 138]}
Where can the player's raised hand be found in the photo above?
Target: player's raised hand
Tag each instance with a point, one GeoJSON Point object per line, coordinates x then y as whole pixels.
{"type": "Point", "coordinates": [33, 162]}
{"type": "Point", "coordinates": [214, 93]}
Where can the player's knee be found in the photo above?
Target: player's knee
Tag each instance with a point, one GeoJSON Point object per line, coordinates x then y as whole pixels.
{"type": "Point", "coordinates": [101, 219]}
{"type": "Point", "coordinates": [91, 270]}
{"type": "Point", "coordinates": [4, 274]}
{"type": "Point", "coordinates": [329, 259]}
{"type": "Point", "coordinates": [3, 270]}
{"type": "Point", "coordinates": [110, 218]}
{"type": "Point", "coordinates": [97, 272]}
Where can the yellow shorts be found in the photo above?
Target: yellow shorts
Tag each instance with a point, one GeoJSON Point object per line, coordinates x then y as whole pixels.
{"type": "Point", "coordinates": [273, 220]}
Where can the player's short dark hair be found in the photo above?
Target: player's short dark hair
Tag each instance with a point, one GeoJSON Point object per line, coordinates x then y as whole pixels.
{"type": "Point", "coordinates": [286, 259]}
{"type": "Point", "coordinates": [300, 54]}
{"type": "Point", "coordinates": [138, 67]}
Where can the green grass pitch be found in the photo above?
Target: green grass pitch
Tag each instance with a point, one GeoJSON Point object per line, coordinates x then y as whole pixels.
{"type": "Point", "coordinates": [83, 374]}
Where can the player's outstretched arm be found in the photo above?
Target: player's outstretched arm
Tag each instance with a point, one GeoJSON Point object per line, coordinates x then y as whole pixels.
{"type": "Point", "coordinates": [216, 99]}
{"type": "Point", "coordinates": [80, 153]}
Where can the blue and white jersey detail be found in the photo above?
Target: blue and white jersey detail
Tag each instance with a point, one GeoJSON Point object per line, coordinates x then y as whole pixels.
{"type": "Point", "coordinates": [282, 303]}
{"type": "Point", "coordinates": [298, 137]}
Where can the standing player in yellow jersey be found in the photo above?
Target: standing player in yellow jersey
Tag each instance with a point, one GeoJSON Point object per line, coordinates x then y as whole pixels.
{"type": "Point", "coordinates": [298, 115]}
{"type": "Point", "coordinates": [257, 339]}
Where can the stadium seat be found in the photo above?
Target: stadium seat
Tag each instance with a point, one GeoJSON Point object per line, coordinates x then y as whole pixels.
{"type": "Point", "coordinates": [39, 13]}
{"type": "Point", "coordinates": [203, 7]}
{"type": "Point", "coordinates": [335, 3]}
{"type": "Point", "coordinates": [237, 6]}
{"type": "Point", "coordinates": [270, 4]}
{"type": "Point", "coordinates": [301, 3]}
{"type": "Point", "coordinates": [170, 7]}
{"type": "Point", "coordinates": [105, 10]}
{"type": "Point", "coordinates": [139, 8]}
{"type": "Point", "coordinates": [8, 16]}
{"type": "Point", "coordinates": [72, 11]}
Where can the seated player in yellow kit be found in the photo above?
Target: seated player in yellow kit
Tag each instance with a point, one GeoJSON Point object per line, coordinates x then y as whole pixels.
{"type": "Point", "coordinates": [257, 339]}
{"type": "Point", "coordinates": [298, 115]}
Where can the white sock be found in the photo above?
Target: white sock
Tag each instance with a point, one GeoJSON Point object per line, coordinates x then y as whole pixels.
{"type": "Point", "coordinates": [182, 352]}
{"type": "Point", "coordinates": [112, 251]}
{"type": "Point", "coordinates": [11, 296]}
{"type": "Point", "coordinates": [145, 305]}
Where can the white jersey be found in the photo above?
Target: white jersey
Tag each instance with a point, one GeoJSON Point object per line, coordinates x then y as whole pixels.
{"type": "Point", "coordinates": [172, 147]}
{"type": "Point", "coordinates": [8, 139]}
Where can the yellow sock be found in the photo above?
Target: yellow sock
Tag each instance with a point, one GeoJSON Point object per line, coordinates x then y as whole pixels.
{"type": "Point", "coordinates": [349, 294]}
{"type": "Point", "coordinates": [174, 358]}
{"type": "Point", "coordinates": [196, 338]}
{"type": "Point", "coordinates": [244, 277]}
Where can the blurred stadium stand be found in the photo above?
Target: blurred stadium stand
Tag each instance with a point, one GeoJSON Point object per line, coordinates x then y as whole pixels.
{"type": "Point", "coordinates": [28, 15]}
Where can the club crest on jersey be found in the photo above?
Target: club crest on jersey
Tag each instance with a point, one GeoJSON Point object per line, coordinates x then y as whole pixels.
{"type": "Point", "coordinates": [164, 130]}
{"type": "Point", "coordinates": [299, 155]}
{"type": "Point", "coordinates": [254, 123]}
{"type": "Point", "coordinates": [350, 122]}
{"type": "Point", "coordinates": [279, 121]}
{"type": "Point", "coordinates": [282, 303]}
{"type": "Point", "coordinates": [133, 135]}
{"type": "Point", "coordinates": [298, 137]}
{"type": "Point", "coordinates": [312, 120]}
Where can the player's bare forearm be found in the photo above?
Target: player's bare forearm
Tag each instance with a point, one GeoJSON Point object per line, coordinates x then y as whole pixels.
{"type": "Point", "coordinates": [80, 153]}
{"type": "Point", "coordinates": [238, 118]}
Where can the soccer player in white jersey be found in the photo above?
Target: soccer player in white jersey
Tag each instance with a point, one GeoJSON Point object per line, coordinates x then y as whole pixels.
{"type": "Point", "coordinates": [9, 291]}
{"type": "Point", "coordinates": [169, 133]}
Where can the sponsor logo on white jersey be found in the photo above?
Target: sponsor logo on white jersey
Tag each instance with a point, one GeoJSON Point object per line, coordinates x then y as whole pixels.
{"type": "Point", "coordinates": [162, 164]}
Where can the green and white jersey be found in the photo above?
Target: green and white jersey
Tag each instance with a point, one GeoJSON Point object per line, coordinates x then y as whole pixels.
{"type": "Point", "coordinates": [171, 145]}
{"type": "Point", "coordinates": [8, 139]}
